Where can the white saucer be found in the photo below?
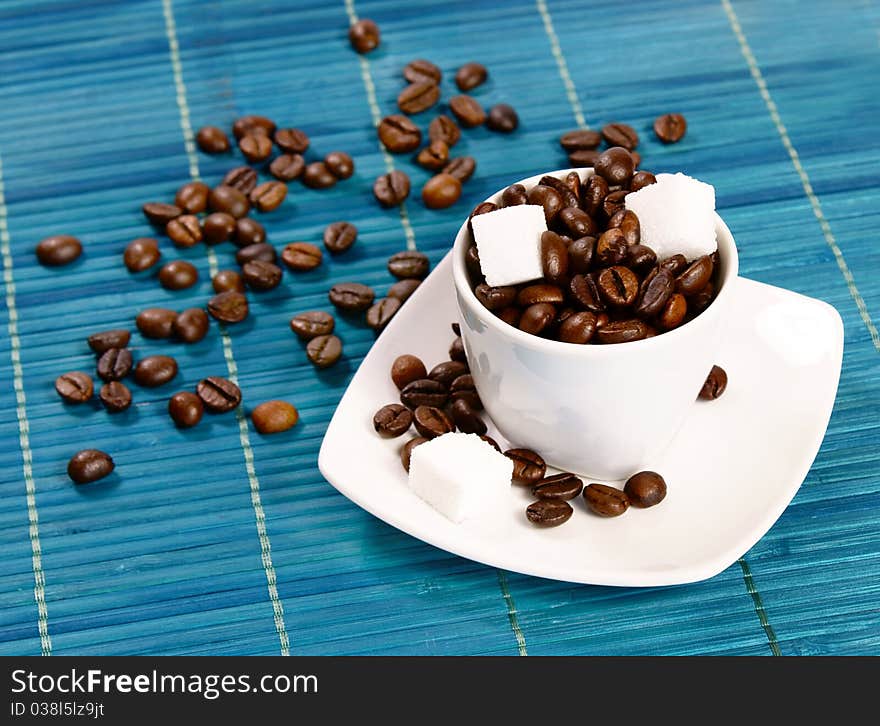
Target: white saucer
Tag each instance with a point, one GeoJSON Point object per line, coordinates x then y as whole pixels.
{"type": "Point", "coordinates": [732, 469]}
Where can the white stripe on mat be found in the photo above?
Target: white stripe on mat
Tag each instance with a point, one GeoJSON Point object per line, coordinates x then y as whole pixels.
{"type": "Point", "coordinates": [556, 49]}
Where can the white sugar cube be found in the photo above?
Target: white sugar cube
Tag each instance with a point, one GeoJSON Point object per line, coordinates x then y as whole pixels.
{"type": "Point", "coordinates": [676, 215]}
{"type": "Point", "coordinates": [459, 475]}
{"type": "Point", "coordinates": [509, 243]}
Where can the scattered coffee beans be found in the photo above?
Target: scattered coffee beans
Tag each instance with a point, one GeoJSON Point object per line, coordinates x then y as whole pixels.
{"type": "Point", "coordinates": [311, 324]}
{"type": "Point", "coordinates": [432, 422]}
{"type": "Point", "coordinates": [191, 325]}
{"type": "Point", "coordinates": [364, 35]}
{"type": "Point", "coordinates": [549, 512]}
{"type": "Point", "coordinates": [228, 307]}
{"type": "Point", "coordinates": [324, 350]}
{"type": "Point", "coordinates": [399, 134]}
{"type": "Point", "coordinates": [156, 322]}
{"type": "Point", "coordinates": [100, 342]}
{"type": "Point", "coordinates": [418, 97]}
{"type": "Point", "coordinates": [141, 254]}
{"type": "Point", "coordinates": [406, 369]}
{"type": "Point", "coordinates": [301, 256]}
{"type": "Point", "coordinates": [255, 147]}
{"type": "Point", "coordinates": [380, 313]}
{"type": "Point", "coordinates": [409, 264]}
{"type": "Point", "coordinates": [444, 129]}
{"type": "Point", "coordinates": [715, 385]}
{"type": "Point", "coordinates": [260, 251]}
{"type": "Point", "coordinates": [563, 486]}
{"type": "Point", "coordinates": [434, 156]}
{"type": "Point", "coordinates": [219, 395]}
{"type": "Point", "coordinates": [391, 189]}
{"type": "Point", "coordinates": [268, 196]}
{"type": "Point", "coordinates": [406, 450]}
{"type": "Point", "coordinates": [74, 387]}
{"type": "Point", "coordinates": [339, 237]}
{"type": "Point", "coordinates": [261, 276]}
{"type": "Point", "coordinates": [292, 141]}
{"type": "Point", "coordinates": [441, 191]}
{"type": "Point", "coordinates": [242, 178]}
{"type": "Point", "coordinates": [351, 296]}
{"type": "Point", "coordinates": [273, 417]}
{"type": "Point", "coordinates": [402, 289]}
{"type": "Point", "coordinates": [192, 197]}
{"type": "Point", "coordinates": [467, 110]}
{"type": "Point", "coordinates": [670, 127]}
{"type": "Point", "coordinates": [155, 370]}
{"type": "Point", "coordinates": [392, 420]}
{"type": "Point", "coordinates": [502, 118]}
{"type": "Point", "coordinates": [217, 227]}
{"type": "Point", "coordinates": [160, 214]}
{"type": "Point", "coordinates": [212, 140]}
{"type": "Point", "coordinates": [318, 176]}
{"type": "Point", "coordinates": [253, 125]}
{"type": "Point", "coordinates": [227, 281]}
{"type": "Point", "coordinates": [115, 396]}
{"type": "Point", "coordinates": [645, 489]}
{"type": "Point", "coordinates": [424, 392]}
{"type": "Point", "coordinates": [229, 199]}
{"type": "Point", "coordinates": [185, 409]}
{"type": "Point", "coordinates": [248, 232]}
{"type": "Point", "coordinates": [287, 167]}
{"type": "Point", "coordinates": [178, 275]}
{"type": "Point", "coordinates": [528, 467]}
{"type": "Point", "coordinates": [617, 134]}
{"type": "Point", "coordinates": [89, 465]}
{"type": "Point", "coordinates": [114, 364]}
{"type": "Point", "coordinates": [462, 168]}
{"type": "Point", "coordinates": [58, 250]}
{"type": "Point", "coordinates": [470, 75]}
{"type": "Point", "coordinates": [605, 501]}
{"type": "Point", "coordinates": [340, 164]}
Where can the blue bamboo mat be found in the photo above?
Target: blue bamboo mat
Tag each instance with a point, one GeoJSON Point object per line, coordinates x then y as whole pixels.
{"type": "Point", "coordinates": [191, 549]}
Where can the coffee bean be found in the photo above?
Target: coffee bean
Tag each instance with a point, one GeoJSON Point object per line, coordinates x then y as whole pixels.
{"type": "Point", "coordinates": [470, 75]}
{"type": "Point", "coordinates": [422, 70]}
{"type": "Point", "coordinates": [185, 230]}
{"type": "Point", "coordinates": [627, 222]}
{"type": "Point", "coordinates": [292, 141]}
{"type": "Point", "coordinates": [178, 275]}
{"type": "Point", "coordinates": [391, 189]}
{"type": "Point", "coordinates": [160, 214]}
{"type": "Point", "coordinates": [192, 197]}
{"type": "Point", "coordinates": [578, 328]}
{"type": "Point", "coordinates": [339, 237]}
{"type": "Point", "coordinates": [114, 364]}
{"type": "Point", "coordinates": [242, 178]}
{"type": "Point", "coordinates": [261, 276]}
{"type": "Point", "coordinates": [447, 372]}
{"type": "Point", "coordinates": [301, 256]}
{"type": "Point", "coordinates": [513, 195]}
{"type": "Point", "coordinates": [540, 293]}
{"type": "Point", "coordinates": [569, 199]}
{"type": "Point", "coordinates": [406, 369]}
{"type": "Point", "coordinates": [554, 257]}
{"type": "Point", "coordinates": [614, 202]}
{"type": "Point", "coordinates": [217, 227]}
{"type": "Point", "coordinates": [115, 396]}
{"type": "Point", "coordinates": [441, 191]}
{"type": "Point", "coordinates": [605, 501]}
{"type": "Point", "coordinates": [463, 388]}
{"type": "Point", "coordinates": [340, 164]}
{"type": "Point", "coordinates": [212, 140]}
{"type": "Point", "coordinates": [89, 465]}
{"type": "Point", "coordinates": [424, 392]}
{"type": "Point", "coordinates": [549, 512]}
{"type": "Point", "coordinates": [575, 222]}
{"type": "Point", "coordinates": [418, 97]}
{"type": "Point", "coordinates": [432, 422]}
{"type": "Point", "coordinates": [191, 325]}
{"type": "Point", "coordinates": [620, 135]}
{"type": "Point", "coordinates": [409, 264]}
{"type": "Point", "coordinates": [695, 277]}
{"type": "Point", "coordinates": [227, 281]}
{"type": "Point", "coordinates": [467, 110]}
{"type": "Point", "coordinates": [674, 312]}
{"type": "Point", "coordinates": [573, 182]}
{"type": "Point", "coordinates": [392, 420]}
{"type": "Point", "coordinates": [219, 395]}
{"type": "Point", "coordinates": [580, 254]}
{"type": "Point", "coordinates": [268, 195]}
{"type": "Point", "coordinates": [318, 176]}
{"type": "Point", "coordinates": [595, 192]}
{"type": "Point", "coordinates": [645, 489]}
{"type": "Point", "coordinates": [641, 179]}
{"type": "Point", "coordinates": [580, 140]}
{"type": "Point", "coordinates": [287, 167]}
{"type": "Point", "coordinates": [255, 147]}
{"type": "Point", "coordinates": [380, 313]}
{"type": "Point", "coordinates": [74, 387]}
{"type": "Point", "coordinates": [228, 307]}
{"type": "Point", "coordinates": [715, 385]}
{"type": "Point", "coordinates": [457, 352]}
{"type": "Point", "coordinates": [252, 124]}
{"type": "Point", "coordinates": [481, 208]}
{"type": "Point", "coordinates": [640, 258]}
{"type": "Point", "coordinates": [324, 350]}
{"type": "Point", "coordinates": [100, 342]}
{"type": "Point", "coordinates": [510, 315]}
{"type": "Point", "coordinates": [311, 324]}
{"type": "Point", "coordinates": [273, 417]}
{"type": "Point", "coordinates": [462, 168]}
{"type": "Point", "coordinates": [248, 231]}
{"type": "Point", "coordinates": [230, 200]}
{"type": "Point", "coordinates": [58, 250]}
{"type": "Point", "coordinates": [186, 409]}
{"type": "Point", "coordinates": [399, 134]}
{"type": "Point", "coordinates": [472, 263]}
{"type": "Point", "coordinates": [406, 450]}
{"type": "Point", "coordinates": [537, 318]}
{"type": "Point", "coordinates": [433, 156]}
{"type": "Point", "coordinates": [564, 487]}
{"type": "Point", "coordinates": [402, 289]}
{"type": "Point", "coordinates": [262, 251]}
{"type": "Point", "coordinates": [444, 129]}
{"type": "Point", "coordinates": [621, 331]}
{"type": "Point", "coordinates": [351, 296]}
{"type": "Point", "coordinates": [583, 158]}
{"type": "Point", "coordinates": [364, 35]}
{"type": "Point", "coordinates": [548, 198]}
{"type": "Point", "coordinates": [141, 254]}
{"type": "Point", "coordinates": [615, 165]}
{"type": "Point", "coordinates": [155, 370]}
{"type": "Point", "coordinates": [502, 118]}
{"type": "Point", "coordinates": [655, 293]}
{"type": "Point", "coordinates": [585, 292]}
{"type": "Point", "coordinates": [155, 322]}
{"type": "Point", "coordinates": [674, 264]}
{"type": "Point", "coordinates": [670, 127]}
{"type": "Point", "coordinates": [466, 419]}
{"type": "Point", "coordinates": [495, 298]}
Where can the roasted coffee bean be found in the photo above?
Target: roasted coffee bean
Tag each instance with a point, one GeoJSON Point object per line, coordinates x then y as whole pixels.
{"type": "Point", "coordinates": [192, 197]}
{"type": "Point", "coordinates": [674, 264]}
{"type": "Point", "coordinates": [540, 293]}
{"type": "Point", "coordinates": [466, 419]}
{"type": "Point", "coordinates": [554, 257]}
{"type": "Point", "coordinates": [528, 466]}
{"type": "Point", "coordinates": [391, 189]}
{"type": "Point", "coordinates": [402, 289]}
{"type": "Point", "coordinates": [514, 195]}
{"type": "Point", "coordinates": [218, 395]}
{"type": "Point", "coordinates": [549, 512]}
{"type": "Point", "coordinates": [406, 450]}
{"type": "Point", "coordinates": [399, 134]}
{"type": "Point", "coordinates": [340, 236]}
{"type": "Point", "coordinates": [564, 487]}
{"type": "Point", "coordinates": [379, 314]}
{"type": "Point", "coordinates": [580, 139]}
{"type": "Point", "coordinates": [583, 158]}
{"type": "Point", "coordinates": [268, 195]}
{"type": "Point", "coordinates": [242, 178]}
{"type": "Point", "coordinates": [432, 422]}
{"type": "Point", "coordinates": [186, 409]}
{"type": "Point", "coordinates": [178, 275]}
{"type": "Point", "coordinates": [695, 277]}
{"type": "Point", "coordinates": [715, 385]}
{"type": "Point", "coordinates": [340, 164]}
{"type": "Point", "coordinates": [568, 197]}
{"type": "Point", "coordinates": [595, 192]}
{"type": "Point", "coordinates": [470, 75]}
{"type": "Point", "coordinates": [230, 200]}
{"type": "Point", "coordinates": [433, 156]}
{"type": "Point", "coordinates": [422, 70]}
{"type": "Point", "coordinates": [605, 501]}
{"type": "Point", "coordinates": [640, 258]}
{"type": "Point", "coordinates": [576, 222]}
{"type": "Point", "coordinates": [621, 331]}
{"type": "Point", "coordinates": [645, 489]}
{"type": "Point", "coordinates": [548, 198]}
{"type": "Point", "coordinates": [261, 276]}
{"type": "Point", "coordinates": [502, 118]}
{"type": "Point", "coordinates": [462, 168]}
{"type": "Point", "coordinates": [409, 264]}
{"type": "Point", "coordinates": [302, 256]}
{"type": "Point", "coordinates": [155, 370]}
{"type": "Point", "coordinates": [424, 392]}
{"type": "Point", "coordinates": [406, 369]}
{"type": "Point", "coordinates": [273, 417]}
{"type": "Point", "coordinates": [641, 179]}
{"type": "Point", "coordinates": [115, 396]}
{"type": "Point", "coordinates": [457, 352]}
{"type": "Point", "coordinates": [141, 254]}
{"type": "Point", "coordinates": [262, 251]}
{"type": "Point", "coordinates": [495, 298]}
{"type": "Point", "coordinates": [255, 147]}
{"type": "Point", "coordinates": [212, 140]}
{"type": "Point", "coordinates": [472, 263]}
{"type": "Point", "coordinates": [100, 342]}
{"type": "Point", "coordinates": [74, 387]}
{"type": "Point", "coordinates": [114, 364]}
{"type": "Point", "coordinates": [655, 293]}
{"type": "Point", "coordinates": [248, 231]}
{"type": "Point", "coordinates": [191, 325]}
{"type": "Point", "coordinates": [618, 285]}
{"type": "Point", "coordinates": [89, 465]}
{"type": "Point", "coordinates": [602, 320]}
{"type": "Point", "coordinates": [364, 35]}
{"type": "Point", "coordinates": [578, 327]}
{"type": "Point", "coordinates": [58, 250]}
{"type": "Point", "coordinates": [155, 322]}
{"type": "Point", "coordinates": [160, 214]}
{"type": "Point", "coordinates": [392, 420]}
{"type": "Point", "coordinates": [228, 307]}
{"type": "Point", "coordinates": [444, 129]}
{"type": "Point", "coordinates": [351, 296]}
{"type": "Point", "coordinates": [481, 208]}
{"type": "Point", "coordinates": [510, 315]}
{"type": "Point", "coordinates": [537, 319]}
{"type": "Point", "coordinates": [573, 182]}
{"type": "Point", "coordinates": [252, 124]}
{"type": "Point", "coordinates": [324, 350]}
{"type": "Point", "coordinates": [311, 324]}
{"type": "Point", "coordinates": [287, 167]}
{"type": "Point", "coordinates": [217, 227]}
{"type": "Point", "coordinates": [627, 222]}
{"type": "Point", "coordinates": [670, 127]}
{"type": "Point", "coordinates": [617, 134]}
{"type": "Point", "coordinates": [614, 202]}
{"type": "Point", "coordinates": [585, 292]}
{"type": "Point", "coordinates": [318, 176]}
{"type": "Point", "coordinates": [615, 165]}
{"type": "Point", "coordinates": [441, 191]}
{"type": "Point", "coordinates": [467, 110]}
{"type": "Point", "coordinates": [418, 97]}
{"type": "Point", "coordinates": [463, 387]}
{"type": "Point", "coordinates": [292, 141]}
{"type": "Point", "coordinates": [580, 254]}
{"type": "Point", "coordinates": [674, 312]}
{"type": "Point", "coordinates": [185, 230]}
{"type": "Point", "coordinates": [447, 372]}
{"type": "Point", "coordinates": [227, 281]}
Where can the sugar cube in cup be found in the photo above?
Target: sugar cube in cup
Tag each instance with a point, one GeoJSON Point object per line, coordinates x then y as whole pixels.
{"type": "Point", "coordinates": [509, 243]}
{"type": "Point", "coordinates": [676, 215]}
{"type": "Point", "coordinates": [460, 475]}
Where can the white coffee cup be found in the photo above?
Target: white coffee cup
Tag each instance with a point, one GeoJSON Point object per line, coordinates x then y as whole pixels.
{"type": "Point", "coordinates": [604, 411]}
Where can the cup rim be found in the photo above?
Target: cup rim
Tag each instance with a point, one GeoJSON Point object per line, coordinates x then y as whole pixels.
{"type": "Point", "coordinates": [726, 249]}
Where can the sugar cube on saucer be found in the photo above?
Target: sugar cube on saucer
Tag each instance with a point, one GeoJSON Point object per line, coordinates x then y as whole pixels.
{"type": "Point", "coordinates": [459, 475]}
{"type": "Point", "coordinates": [676, 215]}
{"type": "Point", "coordinates": [509, 243]}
